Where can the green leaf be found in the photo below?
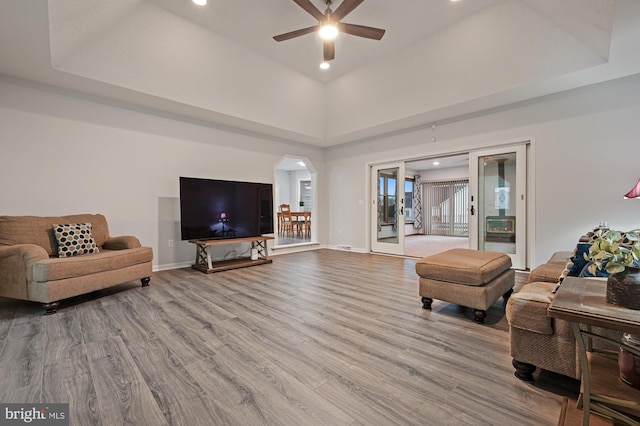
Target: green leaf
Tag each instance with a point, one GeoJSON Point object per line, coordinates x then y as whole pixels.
{"type": "Point", "coordinates": [613, 235]}
{"type": "Point", "coordinates": [633, 236]}
{"type": "Point", "coordinates": [614, 268]}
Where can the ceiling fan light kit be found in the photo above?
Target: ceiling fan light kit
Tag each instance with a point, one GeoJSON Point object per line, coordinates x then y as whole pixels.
{"type": "Point", "coordinates": [330, 25]}
{"type": "Point", "coordinates": [328, 31]}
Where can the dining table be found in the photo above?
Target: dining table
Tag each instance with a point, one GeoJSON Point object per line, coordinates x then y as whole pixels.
{"type": "Point", "coordinates": [301, 219]}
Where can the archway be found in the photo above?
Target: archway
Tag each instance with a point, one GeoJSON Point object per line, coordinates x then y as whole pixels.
{"type": "Point", "coordinates": [296, 186]}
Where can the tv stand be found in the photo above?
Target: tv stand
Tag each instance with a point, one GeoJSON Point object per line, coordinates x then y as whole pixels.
{"type": "Point", "coordinates": [205, 264]}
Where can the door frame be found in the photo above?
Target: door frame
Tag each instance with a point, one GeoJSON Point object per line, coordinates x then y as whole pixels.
{"type": "Point", "coordinates": [465, 148]}
{"type": "Point", "coordinates": [521, 198]}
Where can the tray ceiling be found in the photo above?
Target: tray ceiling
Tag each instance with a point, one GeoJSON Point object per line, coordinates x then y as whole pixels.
{"type": "Point", "coordinates": [218, 64]}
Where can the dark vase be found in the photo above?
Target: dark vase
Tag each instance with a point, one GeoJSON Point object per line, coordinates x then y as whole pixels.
{"type": "Point", "coordinates": [623, 288]}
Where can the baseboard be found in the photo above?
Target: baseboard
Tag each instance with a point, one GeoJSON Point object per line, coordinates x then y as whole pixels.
{"type": "Point", "coordinates": [169, 266]}
{"type": "Point", "coordinates": [345, 247]}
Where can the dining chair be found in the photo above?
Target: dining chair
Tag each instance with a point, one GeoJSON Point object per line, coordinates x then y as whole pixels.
{"type": "Point", "coordinates": [287, 219]}
{"type": "Point", "coordinates": [307, 225]}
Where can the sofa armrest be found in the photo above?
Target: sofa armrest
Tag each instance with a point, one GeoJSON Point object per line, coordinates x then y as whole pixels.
{"type": "Point", "coordinates": [527, 309]}
{"type": "Point", "coordinates": [121, 243]}
{"type": "Point", "coordinates": [16, 268]}
{"type": "Point", "coordinates": [28, 253]}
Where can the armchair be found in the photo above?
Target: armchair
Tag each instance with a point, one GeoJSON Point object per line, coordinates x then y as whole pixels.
{"type": "Point", "coordinates": [31, 269]}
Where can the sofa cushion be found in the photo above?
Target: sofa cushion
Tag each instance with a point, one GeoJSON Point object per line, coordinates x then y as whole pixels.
{"type": "Point", "coordinates": [107, 260]}
{"type": "Point", "coordinates": [37, 230]}
{"type": "Point", "coordinates": [548, 272]}
{"type": "Point", "coordinates": [561, 257]}
{"type": "Point", "coordinates": [527, 309]}
{"type": "Point", "coordinates": [74, 239]}
{"type": "Point", "coordinates": [463, 266]}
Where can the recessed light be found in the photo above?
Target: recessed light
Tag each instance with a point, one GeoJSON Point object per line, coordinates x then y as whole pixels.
{"type": "Point", "coordinates": [436, 163]}
{"type": "Point", "coordinates": [325, 66]}
{"type": "Point", "coordinates": [200, 2]}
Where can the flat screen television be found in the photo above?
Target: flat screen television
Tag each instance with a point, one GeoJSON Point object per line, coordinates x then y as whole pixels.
{"type": "Point", "coordinates": [216, 209]}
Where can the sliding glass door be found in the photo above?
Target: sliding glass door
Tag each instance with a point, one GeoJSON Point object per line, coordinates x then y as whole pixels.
{"type": "Point", "coordinates": [387, 210]}
{"type": "Point", "coordinates": [498, 202]}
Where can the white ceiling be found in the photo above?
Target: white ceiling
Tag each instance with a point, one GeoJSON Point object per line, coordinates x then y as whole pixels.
{"type": "Point", "coordinates": [218, 65]}
{"type": "Point", "coordinates": [253, 24]}
{"type": "Point", "coordinates": [438, 163]}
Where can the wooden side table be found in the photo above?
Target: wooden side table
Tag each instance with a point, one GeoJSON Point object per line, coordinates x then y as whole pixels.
{"type": "Point", "coordinates": [582, 301]}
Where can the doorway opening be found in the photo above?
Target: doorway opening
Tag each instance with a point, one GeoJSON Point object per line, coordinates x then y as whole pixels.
{"type": "Point", "coordinates": [495, 183]}
{"type": "Point", "coordinates": [439, 216]}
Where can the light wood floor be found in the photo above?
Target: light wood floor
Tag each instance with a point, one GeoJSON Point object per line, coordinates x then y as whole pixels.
{"type": "Point", "coordinates": [316, 338]}
{"type": "Point", "coordinates": [425, 245]}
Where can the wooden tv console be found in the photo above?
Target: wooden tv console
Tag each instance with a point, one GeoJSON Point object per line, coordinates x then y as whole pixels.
{"type": "Point", "coordinates": [205, 264]}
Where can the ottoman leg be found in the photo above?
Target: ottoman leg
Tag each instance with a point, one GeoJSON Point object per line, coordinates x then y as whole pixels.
{"type": "Point", "coordinates": [479, 315]}
{"type": "Point", "coordinates": [507, 295]}
{"type": "Point", "coordinates": [426, 302]}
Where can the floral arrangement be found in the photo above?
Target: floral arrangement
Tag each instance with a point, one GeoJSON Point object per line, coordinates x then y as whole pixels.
{"type": "Point", "coordinates": [613, 251]}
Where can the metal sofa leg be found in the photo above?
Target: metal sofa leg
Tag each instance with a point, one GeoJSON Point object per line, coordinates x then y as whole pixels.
{"type": "Point", "coordinates": [145, 281]}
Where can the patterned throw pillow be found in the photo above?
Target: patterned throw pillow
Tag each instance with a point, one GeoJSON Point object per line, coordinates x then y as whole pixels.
{"type": "Point", "coordinates": [74, 239]}
{"type": "Point", "coordinates": [578, 259]}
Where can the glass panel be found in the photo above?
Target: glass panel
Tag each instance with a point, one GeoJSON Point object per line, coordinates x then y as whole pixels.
{"type": "Point", "coordinates": [305, 196]}
{"type": "Point", "coordinates": [496, 203]}
{"type": "Point", "coordinates": [408, 200]}
{"type": "Point", "coordinates": [387, 205]}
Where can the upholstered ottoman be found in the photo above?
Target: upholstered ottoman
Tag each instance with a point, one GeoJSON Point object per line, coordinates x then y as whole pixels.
{"type": "Point", "coordinates": [471, 278]}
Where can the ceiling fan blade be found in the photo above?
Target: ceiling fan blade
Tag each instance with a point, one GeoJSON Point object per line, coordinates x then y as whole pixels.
{"type": "Point", "coordinates": [296, 33]}
{"type": "Point", "coordinates": [361, 31]}
{"type": "Point", "coordinates": [329, 50]}
{"type": "Point", "coordinates": [345, 8]}
{"type": "Point", "coordinates": [310, 8]}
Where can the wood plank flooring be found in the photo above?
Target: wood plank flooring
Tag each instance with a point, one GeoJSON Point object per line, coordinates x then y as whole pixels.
{"type": "Point", "coordinates": [316, 338]}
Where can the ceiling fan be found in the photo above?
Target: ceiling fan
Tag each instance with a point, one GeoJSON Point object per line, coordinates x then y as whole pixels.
{"type": "Point", "coordinates": [329, 25]}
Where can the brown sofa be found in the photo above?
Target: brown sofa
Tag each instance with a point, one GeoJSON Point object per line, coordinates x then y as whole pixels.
{"type": "Point", "coordinates": [30, 268]}
{"type": "Point", "coordinates": [538, 341]}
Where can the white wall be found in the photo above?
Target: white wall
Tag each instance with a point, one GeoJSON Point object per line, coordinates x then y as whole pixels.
{"type": "Point", "coordinates": [451, 67]}
{"type": "Point", "coordinates": [164, 57]}
{"type": "Point", "coordinates": [283, 180]}
{"type": "Point", "coordinates": [288, 184]}
{"type": "Point", "coordinates": [64, 154]}
{"type": "Point", "coordinates": [450, 173]}
{"type": "Point", "coordinates": [127, 163]}
{"type": "Point", "coordinates": [585, 157]}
